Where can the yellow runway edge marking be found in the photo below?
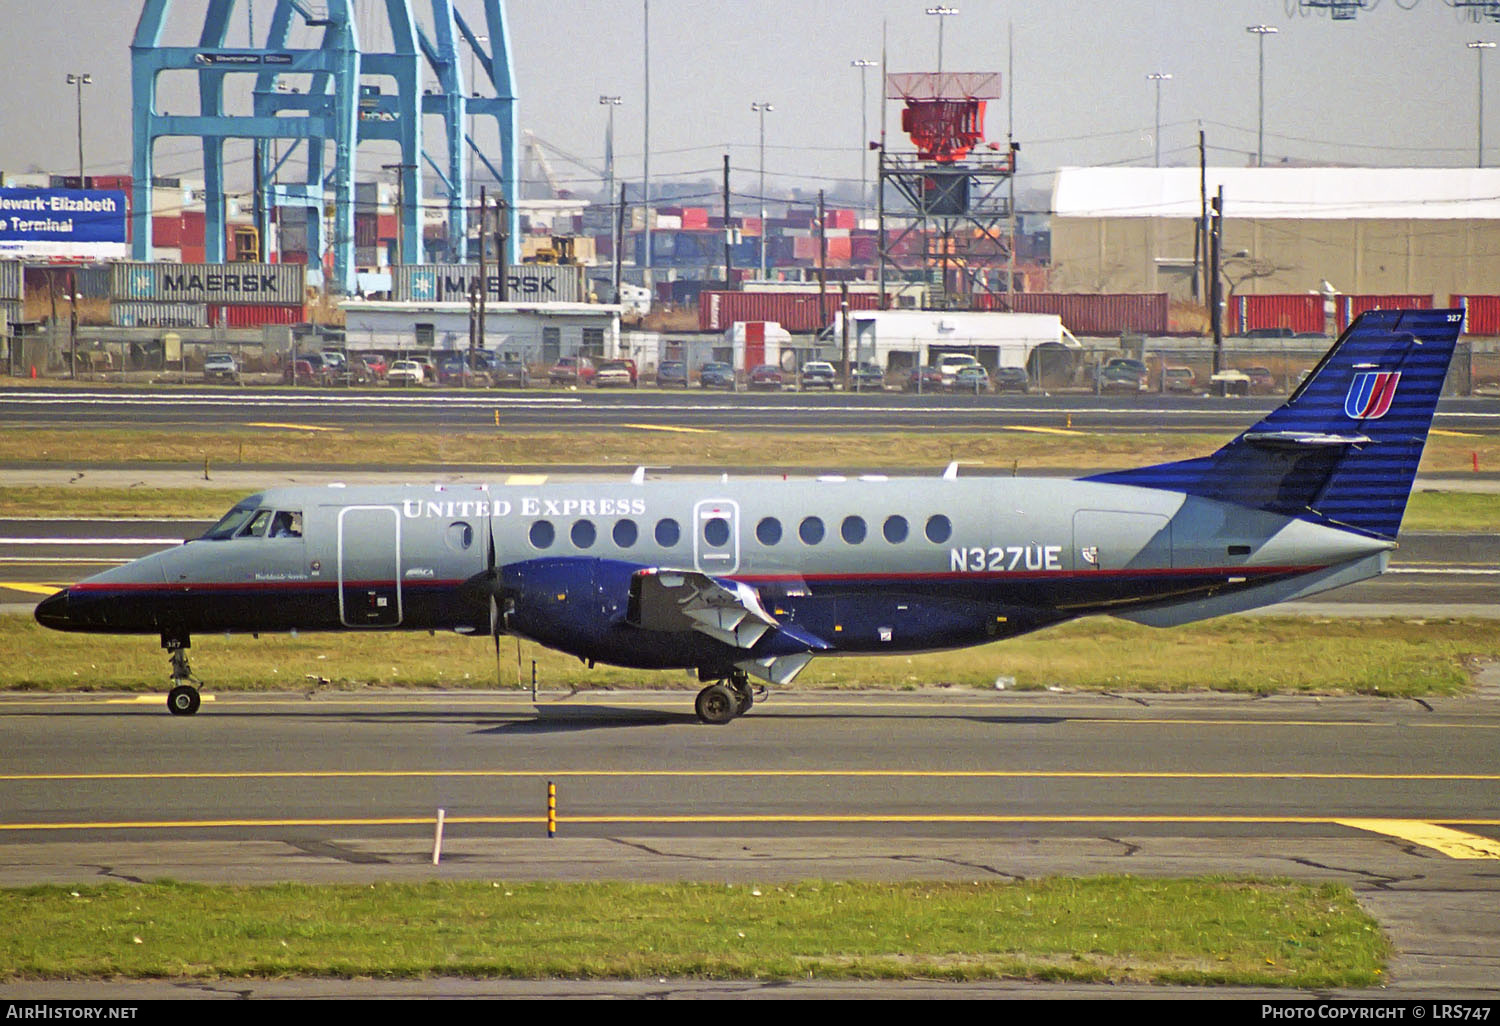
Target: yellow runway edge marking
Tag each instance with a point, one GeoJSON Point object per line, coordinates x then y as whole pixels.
{"type": "Point", "coordinates": [663, 427]}
{"type": "Point", "coordinates": [1453, 843]}
{"type": "Point", "coordinates": [31, 588]}
{"type": "Point", "coordinates": [292, 427]}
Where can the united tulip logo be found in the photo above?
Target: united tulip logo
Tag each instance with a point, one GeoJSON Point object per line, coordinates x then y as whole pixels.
{"type": "Point", "coordinates": [1370, 394]}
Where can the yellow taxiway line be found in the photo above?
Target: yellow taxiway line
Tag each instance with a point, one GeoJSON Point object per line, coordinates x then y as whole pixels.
{"type": "Point", "coordinates": [1456, 844]}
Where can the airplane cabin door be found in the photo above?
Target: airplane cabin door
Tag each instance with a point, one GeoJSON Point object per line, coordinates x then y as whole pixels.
{"type": "Point", "coordinates": [716, 536]}
{"type": "Point", "coordinates": [369, 559]}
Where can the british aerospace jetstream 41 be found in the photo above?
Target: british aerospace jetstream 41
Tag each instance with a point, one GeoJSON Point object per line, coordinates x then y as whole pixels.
{"type": "Point", "coordinates": [754, 578]}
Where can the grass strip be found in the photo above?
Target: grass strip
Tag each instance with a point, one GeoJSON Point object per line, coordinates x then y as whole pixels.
{"type": "Point", "coordinates": [504, 446]}
{"type": "Point", "coordinates": [1095, 929]}
{"type": "Point", "coordinates": [1389, 657]}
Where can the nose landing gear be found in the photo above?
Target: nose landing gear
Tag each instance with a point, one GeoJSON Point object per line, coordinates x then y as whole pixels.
{"type": "Point", "coordinates": [183, 699]}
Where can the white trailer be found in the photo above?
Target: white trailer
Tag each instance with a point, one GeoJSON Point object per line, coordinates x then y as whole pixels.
{"type": "Point", "coordinates": [901, 339]}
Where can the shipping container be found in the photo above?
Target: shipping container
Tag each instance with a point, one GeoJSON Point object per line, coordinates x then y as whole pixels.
{"type": "Point", "coordinates": [219, 284]}
{"type": "Point", "coordinates": [166, 231]}
{"type": "Point", "coordinates": [1346, 308]}
{"type": "Point", "coordinates": [1101, 314]}
{"type": "Point", "coordinates": [255, 316]}
{"type": "Point", "coordinates": [527, 283]}
{"type": "Point", "coordinates": [10, 279]}
{"type": "Point", "coordinates": [795, 312]}
{"type": "Point", "coordinates": [130, 314]}
{"type": "Point", "coordinates": [1297, 314]}
{"type": "Point", "coordinates": [1482, 315]}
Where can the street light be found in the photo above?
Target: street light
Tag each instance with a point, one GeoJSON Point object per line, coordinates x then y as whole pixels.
{"type": "Point", "coordinates": [761, 108]}
{"type": "Point", "coordinates": [1479, 47]}
{"type": "Point", "coordinates": [864, 132]}
{"type": "Point", "coordinates": [1158, 77]}
{"type": "Point", "coordinates": [610, 103]}
{"type": "Point", "coordinates": [1260, 139]}
{"type": "Point", "coordinates": [78, 81]}
{"type": "Point", "coordinates": [940, 13]}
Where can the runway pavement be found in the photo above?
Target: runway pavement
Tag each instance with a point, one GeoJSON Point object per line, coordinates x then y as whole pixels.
{"type": "Point", "coordinates": [1396, 799]}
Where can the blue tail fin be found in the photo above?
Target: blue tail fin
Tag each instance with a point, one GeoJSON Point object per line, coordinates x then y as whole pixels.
{"type": "Point", "coordinates": [1344, 449]}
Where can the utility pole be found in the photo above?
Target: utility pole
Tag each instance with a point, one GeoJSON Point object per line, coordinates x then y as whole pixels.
{"type": "Point", "coordinates": [1200, 233]}
{"type": "Point", "coordinates": [728, 231]}
{"type": "Point", "coordinates": [822, 262]}
{"type": "Point", "coordinates": [484, 284]}
{"type": "Point", "coordinates": [1216, 290]}
{"type": "Point", "coordinates": [619, 238]}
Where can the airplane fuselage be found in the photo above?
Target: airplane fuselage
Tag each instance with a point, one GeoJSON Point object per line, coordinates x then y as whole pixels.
{"type": "Point", "coordinates": [864, 564]}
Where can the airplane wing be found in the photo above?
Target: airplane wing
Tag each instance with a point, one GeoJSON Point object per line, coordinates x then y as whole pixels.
{"type": "Point", "coordinates": [725, 610]}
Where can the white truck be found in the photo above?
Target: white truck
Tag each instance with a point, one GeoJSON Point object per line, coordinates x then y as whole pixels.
{"type": "Point", "coordinates": [907, 338]}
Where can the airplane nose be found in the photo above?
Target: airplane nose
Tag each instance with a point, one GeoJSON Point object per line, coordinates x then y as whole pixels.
{"type": "Point", "coordinates": [52, 611]}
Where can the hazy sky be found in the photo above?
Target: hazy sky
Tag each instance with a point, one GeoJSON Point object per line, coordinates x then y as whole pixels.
{"type": "Point", "coordinates": [1393, 87]}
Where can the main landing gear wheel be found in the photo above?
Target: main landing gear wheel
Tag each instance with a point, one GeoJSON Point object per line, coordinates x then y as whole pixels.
{"type": "Point", "coordinates": [717, 704]}
{"type": "Point", "coordinates": [183, 700]}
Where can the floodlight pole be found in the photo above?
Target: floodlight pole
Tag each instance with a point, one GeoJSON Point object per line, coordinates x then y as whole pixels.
{"type": "Point", "coordinates": [1260, 138]}
{"type": "Point", "coordinates": [1158, 77]}
{"type": "Point", "coordinates": [1478, 47]}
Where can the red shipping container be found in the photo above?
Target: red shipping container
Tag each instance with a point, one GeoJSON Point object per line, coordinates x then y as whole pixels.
{"type": "Point", "coordinates": [1346, 308]}
{"type": "Point", "coordinates": [193, 228]}
{"type": "Point", "coordinates": [386, 227]}
{"type": "Point", "coordinates": [1301, 312]}
{"type": "Point", "coordinates": [694, 218]}
{"type": "Point", "coordinates": [843, 219]}
{"type": "Point", "coordinates": [194, 254]}
{"type": "Point", "coordinates": [166, 231]}
{"type": "Point", "coordinates": [253, 315]}
{"type": "Point", "coordinates": [1482, 313]}
{"type": "Point", "coordinates": [755, 345]}
{"type": "Point", "coordinates": [1086, 313]}
{"type": "Point", "coordinates": [794, 311]}
{"type": "Point", "coordinates": [750, 226]}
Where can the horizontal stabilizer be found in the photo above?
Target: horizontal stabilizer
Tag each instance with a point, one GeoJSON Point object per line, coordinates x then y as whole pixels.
{"type": "Point", "coordinates": [1303, 586]}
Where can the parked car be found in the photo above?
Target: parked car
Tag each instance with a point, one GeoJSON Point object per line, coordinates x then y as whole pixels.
{"type": "Point", "coordinates": [1012, 379]}
{"type": "Point", "coordinates": [572, 370]}
{"type": "Point", "coordinates": [716, 375]}
{"type": "Point", "coordinates": [613, 374]}
{"type": "Point", "coordinates": [867, 377]}
{"type": "Point", "coordinates": [1123, 375]}
{"type": "Point", "coordinates": [221, 367]}
{"type": "Point", "coordinates": [1262, 381]}
{"type": "Point", "coordinates": [510, 372]}
{"type": "Point", "coordinates": [767, 376]}
{"type": "Point", "coordinates": [671, 372]}
{"type": "Point", "coordinates": [375, 364]}
{"type": "Point", "coordinates": [305, 370]}
{"type": "Point", "coordinates": [1178, 379]}
{"type": "Point", "coordinates": [635, 374]}
{"type": "Point", "coordinates": [817, 374]}
{"type": "Point", "coordinates": [949, 363]}
{"type": "Point", "coordinates": [971, 377]}
{"type": "Point", "coordinates": [405, 372]}
{"type": "Point", "coordinates": [924, 379]}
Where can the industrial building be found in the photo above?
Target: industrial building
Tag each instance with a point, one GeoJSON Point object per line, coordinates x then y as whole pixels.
{"type": "Point", "coordinates": [1431, 231]}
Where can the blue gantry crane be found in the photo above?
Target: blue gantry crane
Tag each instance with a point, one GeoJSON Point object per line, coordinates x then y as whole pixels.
{"type": "Point", "coordinates": [331, 93]}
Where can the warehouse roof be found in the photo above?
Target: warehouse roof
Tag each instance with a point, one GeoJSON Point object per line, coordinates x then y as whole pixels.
{"type": "Point", "coordinates": [1299, 193]}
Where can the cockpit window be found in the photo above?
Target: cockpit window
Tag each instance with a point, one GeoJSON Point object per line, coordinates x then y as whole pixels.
{"type": "Point", "coordinates": [229, 525]}
{"type": "Point", "coordinates": [256, 528]}
{"type": "Point", "coordinates": [250, 522]}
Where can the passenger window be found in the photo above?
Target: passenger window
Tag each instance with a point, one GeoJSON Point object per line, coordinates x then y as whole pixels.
{"type": "Point", "coordinates": [542, 534]}
{"type": "Point", "coordinates": [810, 530]}
{"type": "Point", "coordinates": [768, 531]}
{"type": "Point", "coordinates": [939, 529]}
{"type": "Point", "coordinates": [583, 534]}
{"type": "Point", "coordinates": [716, 531]}
{"type": "Point", "coordinates": [895, 529]}
{"type": "Point", "coordinates": [853, 530]}
{"type": "Point", "coordinates": [668, 533]}
{"type": "Point", "coordinates": [625, 533]}
{"type": "Point", "coordinates": [460, 535]}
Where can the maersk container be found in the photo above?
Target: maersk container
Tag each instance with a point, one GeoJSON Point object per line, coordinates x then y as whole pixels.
{"type": "Point", "coordinates": [1482, 315]}
{"type": "Point", "coordinates": [1299, 313]}
{"type": "Point", "coordinates": [1100, 314]}
{"type": "Point", "coordinates": [527, 283]}
{"type": "Point", "coordinates": [1346, 308]}
{"type": "Point", "coordinates": [217, 284]}
{"type": "Point", "coordinates": [131, 314]}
